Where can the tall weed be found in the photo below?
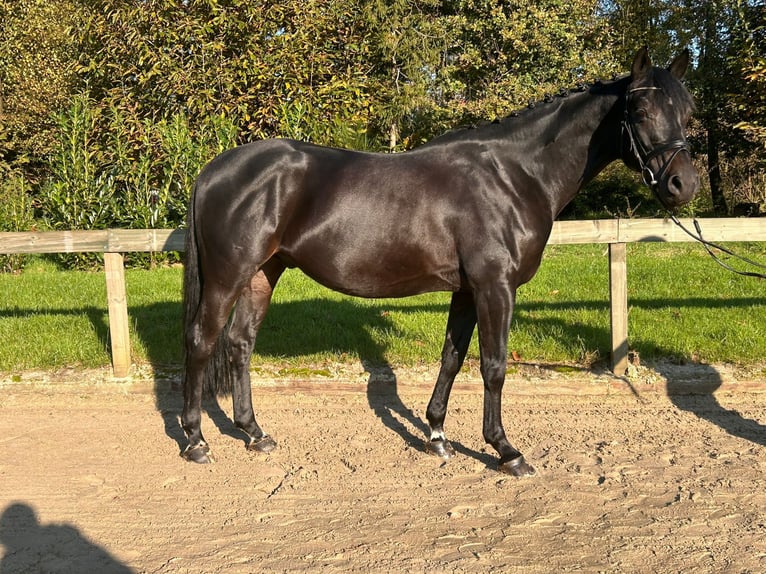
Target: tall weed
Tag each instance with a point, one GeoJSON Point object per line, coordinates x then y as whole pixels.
{"type": "Point", "coordinates": [16, 213]}
{"type": "Point", "coordinates": [80, 192]}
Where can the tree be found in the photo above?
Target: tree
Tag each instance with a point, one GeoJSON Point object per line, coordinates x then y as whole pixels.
{"type": "Point", "coordinates": [750, 58]}
{"type": "Point", "coordinates": [263, 64]}
{"type": "Point", "coordinates": [505, 53]}
{"type": "Point", "coordinates": [406, 43]}
{"type": "Point", "coordinates": [36, 50]}
{"type": "Point", "coordinates": [326, 70]}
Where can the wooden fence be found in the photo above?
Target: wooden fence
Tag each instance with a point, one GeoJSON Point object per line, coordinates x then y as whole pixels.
{"type": "Point", "coordinates": [614, 232]}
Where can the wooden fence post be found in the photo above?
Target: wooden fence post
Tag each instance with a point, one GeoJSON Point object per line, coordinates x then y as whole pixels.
{"type": "Point", "coordinates": [118, 313]}
{"type": "Point", "coordinates": [618, 305]}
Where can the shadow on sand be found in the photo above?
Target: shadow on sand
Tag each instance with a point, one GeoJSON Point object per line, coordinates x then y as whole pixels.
{"type": "Point", "coordinates": [34, 547]}
{"type": "Point", "coordinates": [695, 395]}
{"type": "Point", "coordinates": [348, 327]}
{"type": "Point", "coordinates": [351, 336]}
{"type": "Point", "coordinates": [694, 389]}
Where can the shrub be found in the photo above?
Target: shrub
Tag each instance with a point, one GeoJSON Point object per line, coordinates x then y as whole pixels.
{"type": "Point", "coordinates": [109, 172]}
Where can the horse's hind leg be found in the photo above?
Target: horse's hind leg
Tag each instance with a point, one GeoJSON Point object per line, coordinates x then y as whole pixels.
{"type": "Point", "coordinates": [248, 315]}
{"type": "Point", "coordinates": [460, 326]}
{"type": "Point", "coordinates": [208, 323]}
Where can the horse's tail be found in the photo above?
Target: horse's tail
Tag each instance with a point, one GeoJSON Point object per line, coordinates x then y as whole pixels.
{"type": "Point", "coordinates": [218, 373]}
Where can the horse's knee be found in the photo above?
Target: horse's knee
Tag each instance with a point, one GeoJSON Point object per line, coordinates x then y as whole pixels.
{"type": "Point", "coordinates": [493, 373]}
{"type": "Point", "coordinates": [450, 363]}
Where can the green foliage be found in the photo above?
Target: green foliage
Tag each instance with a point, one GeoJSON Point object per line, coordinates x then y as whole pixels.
{"type": "Point", "coordinates": [132, 174]}
{"type": "Point", "coordinates": [109, 108]}
{"type": "Point", "coordinates": [505, 53]}
{"type": "Point", "coordinates": [35, 78]}
{"type": "Point", "coordinates": [79, 193]}
{"type": "Point", "coordinates": [240, 59]}
{"type": "Point", "coordinates": [750, 59]}
{"type": "Point", "coordinates": [16, 213]}
{"type": "Point", "coordinates": [617, 192]}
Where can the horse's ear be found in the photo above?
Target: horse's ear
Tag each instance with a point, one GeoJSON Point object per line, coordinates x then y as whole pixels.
{"type": "Point", "coordinates": [642, 63]}
{"type": "Point", "coordinates": [678, 66]}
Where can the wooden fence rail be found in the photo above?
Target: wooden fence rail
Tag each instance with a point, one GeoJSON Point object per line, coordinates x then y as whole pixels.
{"type": "Point", "coordinates": [614, 232]}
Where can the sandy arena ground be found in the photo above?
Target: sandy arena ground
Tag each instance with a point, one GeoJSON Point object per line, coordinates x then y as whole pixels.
{"type": "Point", "coordinates": [632, 477]}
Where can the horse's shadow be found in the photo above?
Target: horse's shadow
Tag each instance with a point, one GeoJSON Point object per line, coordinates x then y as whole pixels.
{"type": "Point", "coordinates": [692, 389]}
{"type": "Point", "coordinates": [696, 394]}
{"type": "Point", "coordinates": [349, 326]}
{"type": "Point", "coordinates": [384, 400]}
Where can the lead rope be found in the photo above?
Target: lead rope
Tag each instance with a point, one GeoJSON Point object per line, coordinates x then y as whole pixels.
{"type": "Point", "coordinates": [709, 244]}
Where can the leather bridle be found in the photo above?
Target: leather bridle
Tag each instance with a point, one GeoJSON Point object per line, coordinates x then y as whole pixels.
{"type": "Point", "coordinates": [642, 153]}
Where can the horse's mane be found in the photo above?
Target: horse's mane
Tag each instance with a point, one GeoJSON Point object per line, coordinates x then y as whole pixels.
{"type": "Point", "coordinates": [616, 86]}
{"type": "Point", "coordinates": [596, 87]}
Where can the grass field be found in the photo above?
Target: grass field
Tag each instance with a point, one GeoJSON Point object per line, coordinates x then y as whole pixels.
{"type": "Point", "coordinates": [681, 306]}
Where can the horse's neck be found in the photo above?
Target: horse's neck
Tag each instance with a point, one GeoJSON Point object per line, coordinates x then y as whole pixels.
{"type": "Point", "coordinates": [569, 145]}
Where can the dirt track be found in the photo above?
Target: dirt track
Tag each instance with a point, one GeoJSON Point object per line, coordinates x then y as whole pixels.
{"type": "Point", "coordinates": [630, 479]}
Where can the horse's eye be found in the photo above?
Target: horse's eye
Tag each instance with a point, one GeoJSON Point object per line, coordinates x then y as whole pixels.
{"type": "Point", "coordinates": [640, 115]}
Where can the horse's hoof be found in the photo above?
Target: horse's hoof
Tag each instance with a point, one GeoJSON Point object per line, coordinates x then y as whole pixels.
{"type": "Point", "coordinates": [441, 448]}
{"type": "Point", "coordinates": [517, 467]}
{"type": "Point", "coordinates": [264, 444]}
{"type": "Point", "coordinates": [199, 454]}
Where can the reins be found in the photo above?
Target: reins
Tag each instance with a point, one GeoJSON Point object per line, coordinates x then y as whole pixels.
{"type": "Point", "coordinates": [643, 156]}
{"type": "Point", "coordinates": [709, 244]}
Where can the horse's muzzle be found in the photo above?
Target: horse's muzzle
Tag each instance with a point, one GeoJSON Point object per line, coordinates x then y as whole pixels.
{"type": "Point", "coordinates": [679, 184]}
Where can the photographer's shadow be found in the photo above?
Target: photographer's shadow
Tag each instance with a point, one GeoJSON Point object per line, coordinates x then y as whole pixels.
{"type": "Point", "coordinates": [33, 547]}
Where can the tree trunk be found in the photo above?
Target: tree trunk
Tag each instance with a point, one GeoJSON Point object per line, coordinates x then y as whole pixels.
{"type": "Point", "coordinates": [393, 137]}
{"type": "Point", "coordinates": [714, 167]}
{"type": "Point", "coordinates": [710, 59]}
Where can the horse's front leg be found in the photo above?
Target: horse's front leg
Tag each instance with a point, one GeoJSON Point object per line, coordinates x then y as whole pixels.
{"type": "Point", "coordinates": [494, 309]}
{"type": "Point", "coordinates": [460, 325]}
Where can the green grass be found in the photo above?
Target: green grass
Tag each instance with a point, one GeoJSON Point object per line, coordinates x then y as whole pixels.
{"type": "Point", "coordinates": [681, 306]}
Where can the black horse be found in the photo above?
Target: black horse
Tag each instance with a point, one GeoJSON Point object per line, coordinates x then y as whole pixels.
{"type": "Point", "coordinates": [469, 212]}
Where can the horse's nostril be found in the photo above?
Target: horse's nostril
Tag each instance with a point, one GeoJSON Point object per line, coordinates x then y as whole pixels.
{"type": "Point", "coordinates": [675, 185]}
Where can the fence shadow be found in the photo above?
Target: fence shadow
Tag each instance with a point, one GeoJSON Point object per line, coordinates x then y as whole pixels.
{"type": "Point", "coordinates": [692, 390]}
{"type": "Point", "coordinates": [34, 547]}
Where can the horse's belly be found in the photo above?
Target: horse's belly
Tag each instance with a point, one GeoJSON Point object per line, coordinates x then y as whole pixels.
{"type": "Point", "coordinates": [379, 277]}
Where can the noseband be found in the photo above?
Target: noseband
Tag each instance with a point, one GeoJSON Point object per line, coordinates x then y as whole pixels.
{"type": "Point", "coordinates": [644, 155]}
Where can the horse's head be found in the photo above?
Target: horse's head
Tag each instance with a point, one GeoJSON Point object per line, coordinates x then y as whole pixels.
{"type": "Point", "coordinates": [657, 109]}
